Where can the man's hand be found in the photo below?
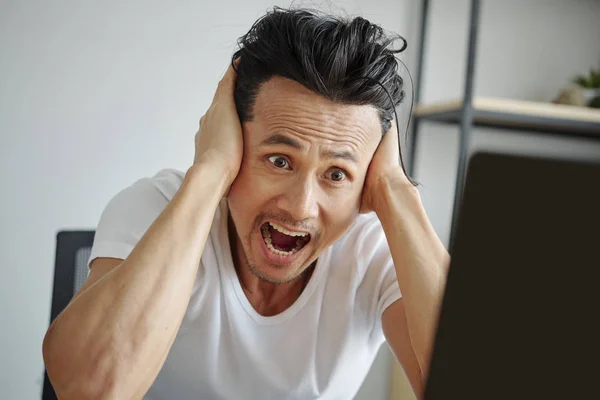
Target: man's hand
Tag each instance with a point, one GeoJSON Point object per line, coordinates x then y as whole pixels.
{"type": "Point", "coordinates": [384, 169]}
{"type": "Point", "coordinates": [219, 137]}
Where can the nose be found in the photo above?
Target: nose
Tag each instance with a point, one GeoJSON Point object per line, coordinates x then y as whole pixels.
{"type": "Point", "coordinates": [300, 199]}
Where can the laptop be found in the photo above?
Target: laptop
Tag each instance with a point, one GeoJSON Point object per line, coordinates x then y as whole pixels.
{"type": "Point", "coordinates": [520, 318]}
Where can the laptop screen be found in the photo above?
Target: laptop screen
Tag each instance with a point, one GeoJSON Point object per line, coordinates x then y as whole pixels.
{"type": "Point", "coordinates": [521, 310]}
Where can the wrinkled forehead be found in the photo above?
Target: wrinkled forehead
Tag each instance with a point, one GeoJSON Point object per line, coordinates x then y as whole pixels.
{"type": "Point", "coordinates": [284, 106]}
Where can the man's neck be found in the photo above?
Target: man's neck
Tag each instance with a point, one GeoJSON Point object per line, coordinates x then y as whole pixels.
{"type": "Point", "coordinates": [267, 298]}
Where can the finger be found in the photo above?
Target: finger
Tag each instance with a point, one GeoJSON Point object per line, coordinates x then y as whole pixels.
{"type": "Point", "coordinates": [393, 132]}
{"type": "Point", "coordinates": [395, 148]}
{"type": "Point", "coordinates": [226, 85]}
{"type": "Point", "coordinates": [392, 146]}
{"type": "Point", "coordinates": [389, 142]}
{"type": "Point", "coordinates": [199, 131]}
{"type": "Point", "coordinates": [229, 76]}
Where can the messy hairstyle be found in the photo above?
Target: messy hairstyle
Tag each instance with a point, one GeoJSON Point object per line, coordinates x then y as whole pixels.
{"type": "Point", "coordinates": [349, 61]}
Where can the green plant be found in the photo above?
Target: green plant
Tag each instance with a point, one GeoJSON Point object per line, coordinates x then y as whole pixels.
{"type": "Point", "coordinates": [595, 102]}
{"type": "Point", "coordinates": [591, 81]}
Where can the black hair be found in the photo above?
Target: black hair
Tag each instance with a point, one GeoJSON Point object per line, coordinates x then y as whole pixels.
{"type": "Point", "coordinates": [350, 61]}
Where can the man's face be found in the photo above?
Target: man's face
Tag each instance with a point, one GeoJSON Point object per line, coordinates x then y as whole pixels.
{"type": "Point", "coordinates": [300, 183]}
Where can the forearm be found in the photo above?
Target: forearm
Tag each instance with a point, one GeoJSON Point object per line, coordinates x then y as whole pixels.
{"type": "Point", "coordinates": [117, 333]}
{"type": "Point", "coordinates": [420, 260]}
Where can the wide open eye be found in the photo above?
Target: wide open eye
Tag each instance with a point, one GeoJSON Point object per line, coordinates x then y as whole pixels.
{"type": "Point", "coordinates": [279, 162]}
{"type": "Point", "coordinates": [337, 175]}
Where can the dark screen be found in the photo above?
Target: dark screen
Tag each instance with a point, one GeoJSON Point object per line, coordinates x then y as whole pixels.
{"type": "Point", "coordinates": [520, 314]}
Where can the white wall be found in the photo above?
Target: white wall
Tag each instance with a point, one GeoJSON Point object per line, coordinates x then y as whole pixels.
{"type": "Point", "coordinates": [94, 95]}
{"type": "Point", "coordinates": [527, 50]}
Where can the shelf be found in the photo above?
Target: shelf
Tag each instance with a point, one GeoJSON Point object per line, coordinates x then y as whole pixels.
{"type": "Point", "coordinates": [518, 114]}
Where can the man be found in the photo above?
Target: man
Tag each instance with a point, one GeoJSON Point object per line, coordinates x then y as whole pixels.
{"type": "Point", "coordinates": [273, 267]}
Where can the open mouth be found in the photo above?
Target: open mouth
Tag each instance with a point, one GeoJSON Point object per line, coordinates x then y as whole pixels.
{"type": "Point", "coordinates": [282, 242]}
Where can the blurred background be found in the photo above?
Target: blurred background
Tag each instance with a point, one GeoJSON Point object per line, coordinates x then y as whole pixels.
{"type": "Point", "coordinates": [96, 94]}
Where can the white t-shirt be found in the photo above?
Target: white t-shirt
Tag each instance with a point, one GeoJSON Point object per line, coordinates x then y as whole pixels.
{"type": "Point", "coordinates": [319, 348]}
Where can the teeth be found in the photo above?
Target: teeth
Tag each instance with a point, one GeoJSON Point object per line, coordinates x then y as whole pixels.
{"type": "Point", "coordinates": [285, 231]}
{"type": "Point", "coordinates": [267, 238]}
{"type": "Point", "coordinates": [279, 252]}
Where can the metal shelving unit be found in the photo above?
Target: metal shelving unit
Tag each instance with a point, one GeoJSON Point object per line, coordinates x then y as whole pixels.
{"type": "Point", "coordinates": [471, 111]}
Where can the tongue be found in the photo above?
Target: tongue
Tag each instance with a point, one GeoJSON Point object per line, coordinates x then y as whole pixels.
{"type": "Point", "coordinates": [281, 241]}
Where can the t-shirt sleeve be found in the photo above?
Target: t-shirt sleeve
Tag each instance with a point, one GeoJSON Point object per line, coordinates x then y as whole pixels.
{"type": "Point", "coordinates": [129, 214]}
{"type": "Point", "coordinates": [379, 287]}
{"type": "Point", "coordinates": [387, 289]}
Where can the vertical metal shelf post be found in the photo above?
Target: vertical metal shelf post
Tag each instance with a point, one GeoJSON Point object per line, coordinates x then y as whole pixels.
{"type": "Point", "coordinates": [466, 117]}
{"type": "Point", "coordinates": [412, 147]}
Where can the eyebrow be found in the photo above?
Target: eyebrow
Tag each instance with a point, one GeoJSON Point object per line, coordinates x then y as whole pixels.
{"type": "Point", "coordinates": [278, 139]}
{"type": "Point", "coordinates": [281, 139]}
{"type": "Point", "coordinates": [344, 155]}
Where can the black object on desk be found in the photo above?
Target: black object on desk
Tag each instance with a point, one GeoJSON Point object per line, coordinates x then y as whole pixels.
{"type": "Point", "coordinates": [519, 318]}
{"type": "Point", "coordinates": [70, 272]}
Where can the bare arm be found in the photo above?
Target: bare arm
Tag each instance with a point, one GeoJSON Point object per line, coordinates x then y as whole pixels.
{"type": "Point", "coordinates": [113, 338]}
{"type": "Point", "coordinates": [395, 329]}
{"type": "Point", "coordinates": [420, 260]}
